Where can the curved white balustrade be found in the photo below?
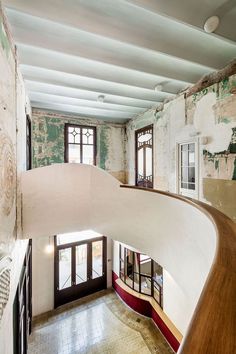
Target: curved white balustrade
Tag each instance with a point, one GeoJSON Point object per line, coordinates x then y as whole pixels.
{"type": "Point", "coordinates": [72, 197]}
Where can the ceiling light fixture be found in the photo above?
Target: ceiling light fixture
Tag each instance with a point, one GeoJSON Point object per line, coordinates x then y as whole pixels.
{"type": "Point", "coordinates": [101, 98]}
{"type": "Point", "coordinates": [158, 87]}
{"type": "Point", "coordinates": [211, 24]}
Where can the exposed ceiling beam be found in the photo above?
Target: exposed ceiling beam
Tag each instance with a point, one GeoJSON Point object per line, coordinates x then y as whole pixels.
{"type": "Point", "coordinates": [28, 29]}
{"type": "Point", "coordinates": [89, 84]}
{"type": "Point", "coordinates": [56, 60]}
{"type": "Point", "coordinates": [48, 98]}
{"type": "Point", "coordinates": [87, 95]}
{"type": "Point", "coordinates": [105, 115]}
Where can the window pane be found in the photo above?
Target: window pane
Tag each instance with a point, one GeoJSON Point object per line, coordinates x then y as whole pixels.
{"type": "Point", "coordinates": [74, 153]}
{"type": "Point", "coordinates": [140, 163]}
{"type": "Point", "coordinates": [146, 266]}
{"type": "Point", "coordinates": [184, 158]}
{"type": "Point", "coordinates": [191, 159]}
{"type": "Point", "coordinates": [191, 174]}
{"type": "Point", "coordinates": [148, 161]}
{"type": "Point", "coordinates": [88, 154]}
{"type": "Point", "coordinates": [157, 292]}
{"type": "Point", "coordinates": [71, 138]}
{"type": "Point", "coordinates": [122, 252]}
{"type": "Point", "coordinates": [136, 262]}
{"type": "Point", "coordinates": [81, 263]}
{"type": "Point", "coordinates": [65, 268]}
{"type": "Point", "coordinates": [184, 174]}
{"type": "Point", "coordinates": [129, 267]}
{"type": "Point", "coordinates": [136, 281]}
{"type": "Point", "coordinates": [97, 259]}
{"type": "Point", "coordinates": [146, 285]}
{"type": "Point", "coordinates": [87, 136]}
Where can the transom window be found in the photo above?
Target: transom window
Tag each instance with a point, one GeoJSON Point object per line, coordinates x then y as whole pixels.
{"type": "Point", "coordinates": [141, 273]}
{"type": "Point", "coordinates": [144, 157]}
{"type": "Point", "coordinates": [187, 166]}
{"type": "Point", "coordinates": [80, 144]}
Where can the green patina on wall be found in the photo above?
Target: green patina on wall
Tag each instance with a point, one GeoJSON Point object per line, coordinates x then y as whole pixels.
{"type": "Point", "coordinates": [4, 39]}
{"type": "Point", "coordinates": [226, 154]}
{"type": "Point", "coordinates": [103, 146]}
{"type": "Point", "coordinates": [48, 140]}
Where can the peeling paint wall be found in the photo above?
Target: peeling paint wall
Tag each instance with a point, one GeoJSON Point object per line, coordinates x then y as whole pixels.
{"type": "Point", "coordinates": [48, 141]}
{"type": "Point", "coordinates": [207, 118]}
{"type": "Point", "coordinates": [13, 106]}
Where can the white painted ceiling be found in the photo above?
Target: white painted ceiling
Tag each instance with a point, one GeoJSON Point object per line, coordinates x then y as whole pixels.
{"type": "Point", "coordinates": [73, 51]}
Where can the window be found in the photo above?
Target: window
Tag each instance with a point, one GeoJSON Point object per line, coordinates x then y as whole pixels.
{"type": "Point", "coordinates": [187, 169]}
{"type": "Point", "coordinates": [144, 157]}
{"type": "Point", "coordinates": [80, 144]}
{"type": "Point", "coordinates": [141, 273]}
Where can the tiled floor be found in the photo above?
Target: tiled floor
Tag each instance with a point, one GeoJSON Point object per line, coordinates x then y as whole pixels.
{"type": "Point", "coordinates": [98, 324]}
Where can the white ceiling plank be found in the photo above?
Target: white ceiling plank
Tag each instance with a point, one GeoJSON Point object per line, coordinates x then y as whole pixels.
{"type": "Point", "coordinates": [85, 112]}
{"type": "Point", "coordinates": [49, 98]}
{"type": "Point", "coordinates": [59, 61]}
{"type": "Point", "coordinates": [88, 95]}
{"type": "Point", "coordinates": [85, 83]}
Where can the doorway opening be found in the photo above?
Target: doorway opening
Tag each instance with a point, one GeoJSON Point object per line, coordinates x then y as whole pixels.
{"type": "Point", "coordinates": [80, 265]}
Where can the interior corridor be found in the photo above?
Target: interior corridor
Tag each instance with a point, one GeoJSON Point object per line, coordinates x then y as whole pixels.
{"type": "Point", "coordinates": [99, 323]}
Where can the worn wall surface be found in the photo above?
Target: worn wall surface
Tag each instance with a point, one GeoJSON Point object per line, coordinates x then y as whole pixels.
{"type": "Point", "coordinates": [13, 103]}
{"type": "Point", "coordinates": [207, 118]}
{"type": "Point", "coordinates": [48, 141]}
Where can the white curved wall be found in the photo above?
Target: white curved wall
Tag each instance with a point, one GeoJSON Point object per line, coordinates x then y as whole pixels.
{"type": "Point", "coordinates": [71, 197]}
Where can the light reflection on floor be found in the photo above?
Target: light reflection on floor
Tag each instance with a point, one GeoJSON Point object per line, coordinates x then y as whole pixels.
{"type": "Point", "coordinates": [98, 324]}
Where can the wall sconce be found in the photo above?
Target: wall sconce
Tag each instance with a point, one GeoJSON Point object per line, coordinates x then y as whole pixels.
{"type": "Point", "coordinates": [49, 249]}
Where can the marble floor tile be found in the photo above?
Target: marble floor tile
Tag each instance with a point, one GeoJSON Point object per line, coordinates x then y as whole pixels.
{"type": "Point", "coordinates": [97, 324]}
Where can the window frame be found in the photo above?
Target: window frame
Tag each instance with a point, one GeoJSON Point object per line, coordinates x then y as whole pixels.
{"type": "Point", "coordinates": [192, 193]}
{"type": "Point", "coordinates": [123, 275]}
{"type": "Point", "coordinates": [28, 147]}
{"type": "Point", "coordinates": [66, 141]}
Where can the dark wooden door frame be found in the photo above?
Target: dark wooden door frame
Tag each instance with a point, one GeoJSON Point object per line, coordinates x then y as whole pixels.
{"type": "Point", "coordinates": [23, 302]}
{"type": "Point", "coordinates": [148, 127]}
{"type": "Point", "coordinates": [66, 142]}
{"type": "Point", "coordinates": [76, 291]}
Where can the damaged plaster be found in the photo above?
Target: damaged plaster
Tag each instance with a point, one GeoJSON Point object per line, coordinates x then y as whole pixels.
{"type": "Point", "coordinates": [207, 117]}
{"type": "Point", "coordinates": [48, 141]}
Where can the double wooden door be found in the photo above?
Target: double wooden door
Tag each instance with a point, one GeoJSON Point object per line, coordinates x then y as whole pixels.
{"type": "Point", "coordinates": [80, 269]}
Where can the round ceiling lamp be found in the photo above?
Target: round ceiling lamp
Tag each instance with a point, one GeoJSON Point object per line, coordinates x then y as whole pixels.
{"type": "Point", "coordinates": [158, 87]}
{"type": "Point", "coordinates": [211, 24]}
{"type": "Point", "coordinates": [101, 98]}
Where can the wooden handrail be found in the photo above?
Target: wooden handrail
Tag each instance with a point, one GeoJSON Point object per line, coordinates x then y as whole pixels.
{"type": "Point", "coordinates": [213, 326]}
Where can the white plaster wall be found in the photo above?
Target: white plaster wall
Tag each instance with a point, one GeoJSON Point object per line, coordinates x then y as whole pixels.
{"type": "Point", "coordinates": [12, 122]}
{"type": "Point", "coordinates": [185, 246]}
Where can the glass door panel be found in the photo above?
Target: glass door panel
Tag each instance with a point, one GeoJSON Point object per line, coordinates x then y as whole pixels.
{"type": "Point", "coordinates": [80, 268]}
{"type": "Point", "coordinates": [81, 263]}
{"type": "Point", "coordinates": [144, 157]}
{"type": "Point", "coordinates": [97, 259]}
{"type": "Point", "coordinates": [65, 269]}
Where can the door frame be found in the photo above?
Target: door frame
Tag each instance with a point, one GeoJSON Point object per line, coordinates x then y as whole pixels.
{"type": "Point", "coordinates": [136, 153]}
{"type": "Point", "coordinates": [76, 291]}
